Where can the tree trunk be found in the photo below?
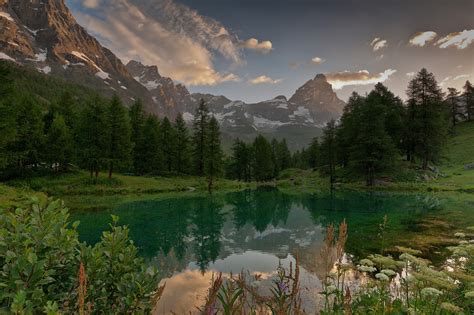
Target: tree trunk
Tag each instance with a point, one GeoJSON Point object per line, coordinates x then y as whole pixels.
{"type": "Point", "coordinates": [111, 169]}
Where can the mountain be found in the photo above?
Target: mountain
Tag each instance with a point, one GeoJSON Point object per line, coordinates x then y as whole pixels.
{"type": "Point", "coordinates": [43, 35]}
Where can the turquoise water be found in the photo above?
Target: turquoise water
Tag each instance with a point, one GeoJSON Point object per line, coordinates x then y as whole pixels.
{"type": "Point", "coordinates": [253, 231]}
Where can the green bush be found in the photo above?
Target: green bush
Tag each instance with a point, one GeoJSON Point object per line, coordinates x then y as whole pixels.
{"type": "Point", "coordinates": [46, 269]}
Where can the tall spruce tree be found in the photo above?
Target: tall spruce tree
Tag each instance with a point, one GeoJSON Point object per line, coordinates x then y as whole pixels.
{"type": "Point", "coordinates": [373, 149]}
{"type": "Point", "coordinates": [151, 155]}
{"type": "Point", "coordinates": [469, 100]}
{"type": "Point", "coordinates": [93, 136]}
{"type": "Point", "coordinates": [264, 169]}
{"type": "Point", "coordinates": [59, 144]}
{"type": "Point", "coordinates": [346, 131]}
{"type": "Point", "coordinates": [120, 145]}
{"type": "Point", "coordinates": [182, 159]}
{"type": "Point", "coordinates": [27, 148]}
{"type": "Point", "coordinates": [213, 158]}
{"type": "Point", "coordinates": [329, 151]}
{"type": "Point", "coordinates": [137, 122]}
{"type": "Point", "coordinates": [200, 137]}
{"type": "Point", "coordinates": [453, 104]}
{"type": "Point", "coordinates": [313, 153]}
{"type": "Point", "coordinates": [241, 161]}
{"type": "Point", "coordinates": [168, 143]}
{"type": "Point", "coordinates": [427, 120]}
{"type": "Point", "coordinates": [7, 115]}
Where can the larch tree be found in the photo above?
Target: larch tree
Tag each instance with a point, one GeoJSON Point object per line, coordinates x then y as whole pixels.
{"type": "Point", "coordinates": [120, 145]}
{"type": "Point", "coordinates": [427, 118]}
{"type": "Point", "coordinates": [168, 143]}
{"type": "Point", "coordinates": [93, 136]}
{"type": "Point", "coordinates": [468, 95]}
{"type": "Point", "coordinates": [183, 149]}
{"type": "Point", "coordinates": [137, 122]}
{"type": "Point", "coordinates": [213, 158]}
{"type": "Point", "coordinates": [453, 104]}
{"type": "Point", "coordinates": [151, 156]}
{"type": "Point", "coordinates": [200, 137]}
{"type": "Point", "coordinates": [59, 144]}
{"type": "Point", "coordinates": [329, 151]}
{"type": "Point", "coordinates": [7, 115]}
{"type": "Point", "coordinates": [264, 169]}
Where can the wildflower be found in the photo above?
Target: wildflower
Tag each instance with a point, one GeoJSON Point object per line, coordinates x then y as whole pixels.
{"type": "Point", "coordinates": [450, 307]}
{"type": "Point", "coordinates": [382, 277]}
{"type": "Point", "coordinates": [430, 292]}
{"type": "Point", "coordinates": [330, 288]}
{"type": "Point", "coordinates": [469, 294]}
{"type": "Point", "coordinates": [366, 262]}
{"type": "Point", "coordinates": [413, 259]}
{"type": "Point", "coordinates": [367, 269]}
{"type": "Point", "coordinates": [408, 250]}
{"type": "Point", "coordinates": [389, 272]}
{"type": "Point", "coordinates": [460, 235]}
{"type": "Point", "coordinates": [283, 286]}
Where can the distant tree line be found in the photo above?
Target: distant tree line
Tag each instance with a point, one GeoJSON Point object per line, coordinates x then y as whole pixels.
{"type": "Point", "coordinates": [102, 135]}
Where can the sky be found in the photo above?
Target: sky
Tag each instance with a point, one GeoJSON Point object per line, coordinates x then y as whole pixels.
{"type": "Point", "coordinates": [254, 50]}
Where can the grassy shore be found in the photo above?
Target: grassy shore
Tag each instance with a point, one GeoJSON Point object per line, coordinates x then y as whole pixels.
{"type": "Point", "coordinates": [79, 190]}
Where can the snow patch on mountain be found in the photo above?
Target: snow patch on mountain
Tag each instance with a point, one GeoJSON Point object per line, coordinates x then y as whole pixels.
{"type": "Point", "coordinates": [261, 122]}
{"type": "Point", "coordinates": [6, 57]}
{"type": "Point", "coordinates": [6, 16]}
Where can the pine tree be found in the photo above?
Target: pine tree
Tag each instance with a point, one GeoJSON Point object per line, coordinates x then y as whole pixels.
{"type": "Point", "coordinates": [27, 148]}
{"type": "Point", "coordinates": [7, 115]}
{"type": "Point", "coordinates": [200, 137]}
{"type": "Point", "coordinates": [328, 151]}
{"type": "Point", "coordinates": [373, 149]}
{"type": "Point", "coordinates": [454, 108]}
{"type": "Point", "coordinates": [59, 144]}
{"type": "Point", "coordinates": [427, 119]}
{"type": "Point", "coordinates": [93, 136]}
{"type": "Point", "coordinates": [168, 144]}
{"type": "Point", "coordinates": [313, 153]}
{"type": "Point", "coordinates": [346, 131]}
{"type": "Point", "coordinates": [183, 152]}
{"type": "Point", "coordinates": [241, 161]}
{"type": "Point", "coordinates": [137, 122]}
{"type": "Point", "coordinates": [264, 169]}
{"type": "Point", "coordinates": [393, 111]}
{"type": "Point", "coordinates": [120, 145]}
{"type": "Point", "coordinates": [214, 155]}
{"type": "Point", "coordinates": [469, 100]}
{"type": "Point", "coordinates": [151, 156]}
{"type": "Point", "coordinates": [283, 155]}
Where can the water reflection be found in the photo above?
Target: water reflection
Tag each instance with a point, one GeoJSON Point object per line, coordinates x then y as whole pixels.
{"type": "Point", "coordinates": [190, 238]}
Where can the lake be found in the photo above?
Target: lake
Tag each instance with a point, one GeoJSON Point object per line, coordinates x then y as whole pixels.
{"type": "Point", "coordinates": [191, 238]}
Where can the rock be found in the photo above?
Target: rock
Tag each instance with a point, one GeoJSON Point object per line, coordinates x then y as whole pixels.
{"type": "Point", "coordinates": [191, 189]}
{"type": "Point", "coordinates": [469, 166]}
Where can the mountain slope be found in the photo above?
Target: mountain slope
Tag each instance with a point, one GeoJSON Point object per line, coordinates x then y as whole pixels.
{"type": "Point", "coordinates": [44, 34]}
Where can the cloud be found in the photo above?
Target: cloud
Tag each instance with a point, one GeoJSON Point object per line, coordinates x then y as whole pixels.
{"type": "Point", "coordinates": [317, 60]}
{"type": "Point", "coordinates": [455, 78]}
{"type": "Point", "coordinates": [253, 44]}
{"type": "Point", "coordinates": [422, 38]}
{"type": "Point", "coordinates": [460, 40]}
{"type": "Point", "coordinates": [263, 79]}
{"type": "Point", "coordinates": [410, 74]}
{"type": "Point", "coordinates": [181, 42]}
{"type": "Point", "coordinates": [362, 77]}
{"type": "Point", "coordinates": [378, 43]}
{"type": "Point", "coordinates": [91, 4]}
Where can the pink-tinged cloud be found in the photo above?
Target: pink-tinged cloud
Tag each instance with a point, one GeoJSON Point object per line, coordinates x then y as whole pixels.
{"type": "Point", "coordinates": [254, 44]}
{"type": "Point", "coordinates": [422, 38]}
{"type": "Point", "coordinates": [263, 79]}
{"type": "Point", "coordinates": [378, 43]}
{"type": "Point", "coordinates": [362, 77]}
{"type": "Point", "coordinates": [460, 40]}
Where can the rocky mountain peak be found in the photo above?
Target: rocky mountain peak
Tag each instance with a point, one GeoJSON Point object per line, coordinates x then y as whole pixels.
{"type": "Point", "coordinates": [320, 99]}
{"type": "Point", "coordinates": [281, 97]}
